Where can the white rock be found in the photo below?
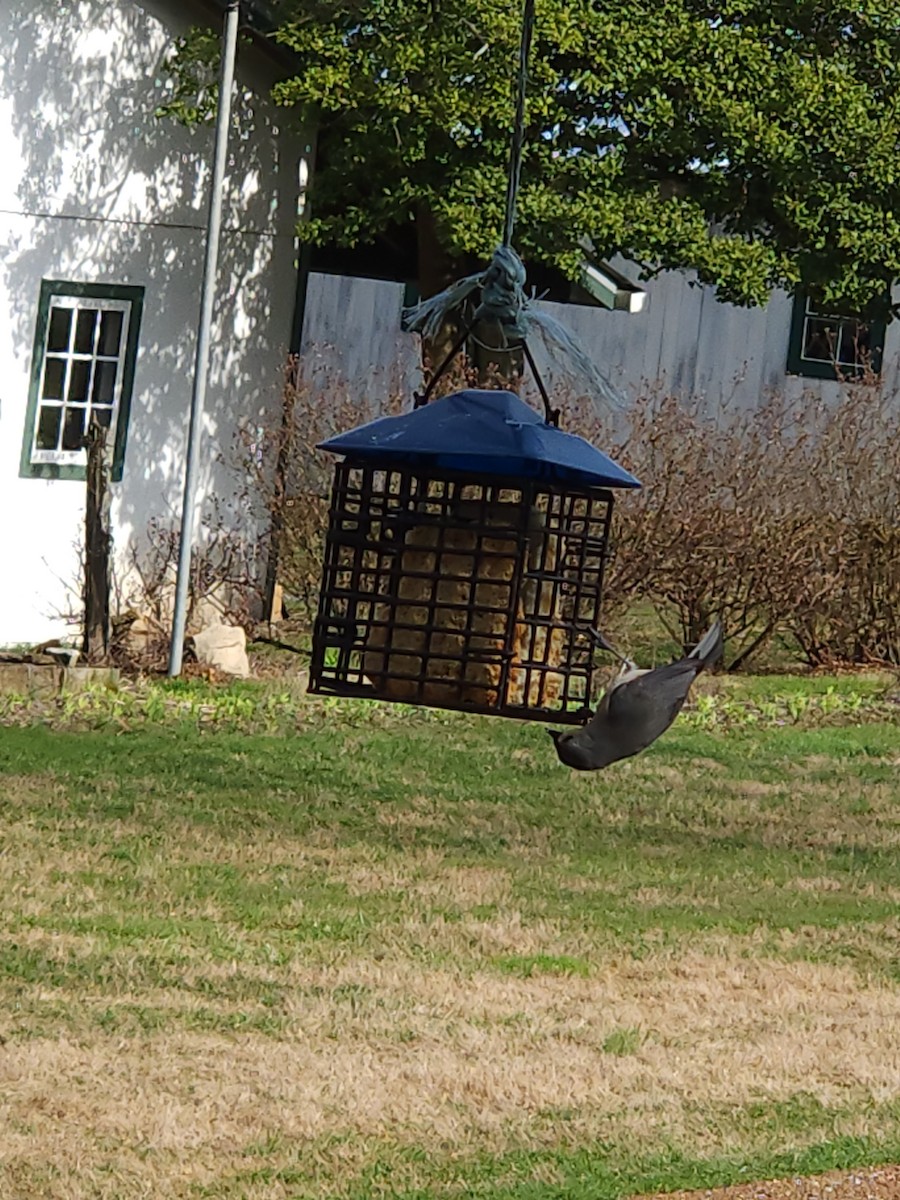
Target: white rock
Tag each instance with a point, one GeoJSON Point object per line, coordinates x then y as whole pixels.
{"type": "Point", "coordinates": [223, 647]}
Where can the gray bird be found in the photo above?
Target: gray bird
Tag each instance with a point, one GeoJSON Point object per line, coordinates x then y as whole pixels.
{"type": "Point", "coordinates": [637, 708]}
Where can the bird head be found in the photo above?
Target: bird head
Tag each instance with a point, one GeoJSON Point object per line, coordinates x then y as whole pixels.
{"type": "Point", "coordinates": [574, 751]}
{"type": "Point", "coordinates": [561, 740]}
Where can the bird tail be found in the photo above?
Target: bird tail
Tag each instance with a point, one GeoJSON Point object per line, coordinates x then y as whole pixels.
{"type": "Point", "coordinates": [710, 646]}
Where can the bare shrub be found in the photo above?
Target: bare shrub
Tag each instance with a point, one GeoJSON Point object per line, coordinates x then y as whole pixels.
{"type": "Point", "coordinates": [782, 518]}
{"type": "Point", "coordinates": [693, 540]}
{"type": "Point", "coordinates": [225, 582]}
{"type": "Point", "coordinates": [223, 570]}
{"type": "Point", "coordinates": [843, 602]}
{"type": "Point", "coordinates": [291, 478]}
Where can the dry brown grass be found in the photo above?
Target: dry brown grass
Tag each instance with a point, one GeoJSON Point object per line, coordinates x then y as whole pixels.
{"type": "Point", "coordinates": [435, 1057]}
{"type": "Point", "coordinates": [174, 1029]}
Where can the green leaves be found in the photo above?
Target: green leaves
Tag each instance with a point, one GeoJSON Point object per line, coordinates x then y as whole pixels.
{"type": "Point", "coordinates": [753, 142]}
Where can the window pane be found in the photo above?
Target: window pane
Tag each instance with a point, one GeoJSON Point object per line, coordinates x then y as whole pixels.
{"type": "Point", "coordinates": [86, 356]}
{"type": "Point", "coordinates": [54, 379]}
{"type": "Point", "coordinates": [79, 378]}
{"type": "Point", "coordinates": [58, 329]}
{"type": "Point", "coordinates": [104, 382]}
{"type": "Point", "coordinates": [48, 428]}
{"type": "Point", "coordinates": [73, 429]}
{"type": "Point", "coordinates": [820, 339]}
{"type": "Point", "coordinates": [110, 334]}
{"type": "Point", "coordinates": [855, 340]}
{"type": "Point", "coordinates": [84, 330]}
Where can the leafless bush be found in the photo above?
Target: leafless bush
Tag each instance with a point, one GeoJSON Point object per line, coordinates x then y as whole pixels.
{"type": "Point", "coordinates": [691, 541]}
{"type": "Point", "coordinates": [779, 519]}
{"type": "Point", "coordinates": [223, 571]}
{"type": "Point", "coordinates": [843, 602]}
{"type": "Point", "coordinates": [225, 582]}
{"type": "Point", "coordinates": [783, 518]}
{"type": "Point", "coordinates": [292, 478]}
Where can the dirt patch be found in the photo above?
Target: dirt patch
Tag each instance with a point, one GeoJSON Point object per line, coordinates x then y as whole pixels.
{"type": "Point", "coordinates": [751, 788]}
{"type": "Point", "coordinates": [872, 1183]}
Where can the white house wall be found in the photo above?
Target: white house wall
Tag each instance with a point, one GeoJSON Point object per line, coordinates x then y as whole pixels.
{"type": "Point", "coordinates": [94, 188]}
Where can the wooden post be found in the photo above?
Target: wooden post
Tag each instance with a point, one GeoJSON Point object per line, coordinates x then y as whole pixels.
{"type": "Point", "coordinates": [287, 434]}
{"type": "Point", "coordinates": [97, 546]}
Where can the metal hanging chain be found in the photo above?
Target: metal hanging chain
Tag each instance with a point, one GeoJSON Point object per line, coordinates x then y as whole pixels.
{"type": "Point", "coordinates": [514, 175]}
{"type": "Point", "coordinates": [518, 138]}
{"type": "Point", "coordinates": [502, 283]}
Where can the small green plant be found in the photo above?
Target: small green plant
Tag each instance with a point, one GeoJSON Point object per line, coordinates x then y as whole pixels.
{"type": "Point", "coordinates": [270, 707]}
{"type": "Point", "coordinates": [528, 965]}
{"type": "Point", "coordinates": [622, 1042]}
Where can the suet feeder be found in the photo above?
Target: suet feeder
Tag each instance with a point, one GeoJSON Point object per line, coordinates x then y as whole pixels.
{"type": "Point", "coordinates": [464, 560]}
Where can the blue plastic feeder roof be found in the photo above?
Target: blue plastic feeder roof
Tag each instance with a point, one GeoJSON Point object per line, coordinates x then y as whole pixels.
{"type": "Point", "coordinates": [485, 433]}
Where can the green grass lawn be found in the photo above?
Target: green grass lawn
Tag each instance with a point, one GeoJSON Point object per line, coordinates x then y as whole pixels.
{"type": "Point", "coordinates": [256, 946]}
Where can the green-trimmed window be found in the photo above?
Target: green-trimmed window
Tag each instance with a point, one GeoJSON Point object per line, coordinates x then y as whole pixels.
{"type": "Point", "coordinates": [85, 347]}
{"type": "Point", "coordinates": [825, 346]}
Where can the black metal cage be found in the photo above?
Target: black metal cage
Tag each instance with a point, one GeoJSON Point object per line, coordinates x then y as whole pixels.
{"type": "Point", "coordinates": [460, 591]}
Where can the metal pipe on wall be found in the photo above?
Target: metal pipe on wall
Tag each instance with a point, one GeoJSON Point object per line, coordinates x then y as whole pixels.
{"type": "Point", "coordinates": [201, 360]}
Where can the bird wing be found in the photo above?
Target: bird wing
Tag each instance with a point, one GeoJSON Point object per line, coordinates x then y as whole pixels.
{"type": "Point", "coordinates": [645, 706]}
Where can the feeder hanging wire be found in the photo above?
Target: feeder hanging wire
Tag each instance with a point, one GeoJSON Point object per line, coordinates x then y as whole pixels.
{"type": "Point", "coordinates": [502, 282]}
{"type": "Point", "coordinates": [514, 174]}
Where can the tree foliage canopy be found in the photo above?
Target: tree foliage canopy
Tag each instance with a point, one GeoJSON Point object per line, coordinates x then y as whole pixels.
{"type": "Point", "coordinates": [755, 141]}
